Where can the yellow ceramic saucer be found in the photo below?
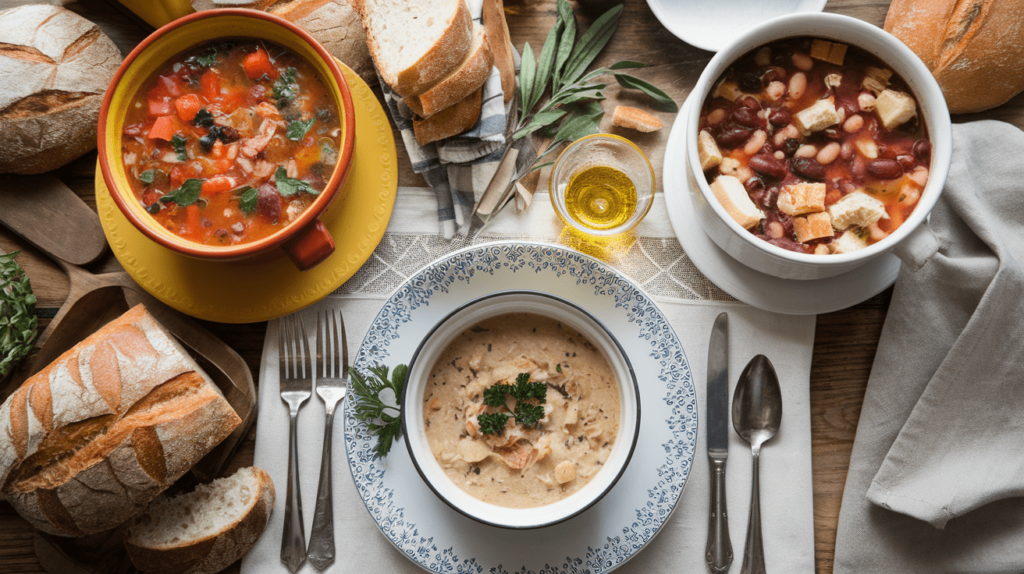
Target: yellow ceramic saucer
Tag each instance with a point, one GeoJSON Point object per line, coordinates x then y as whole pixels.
{"type": "Point", "coordinates": [249, 292]}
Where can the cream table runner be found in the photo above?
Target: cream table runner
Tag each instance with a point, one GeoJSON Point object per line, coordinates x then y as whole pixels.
{"type": "Point", "coordinates": [657, 262]}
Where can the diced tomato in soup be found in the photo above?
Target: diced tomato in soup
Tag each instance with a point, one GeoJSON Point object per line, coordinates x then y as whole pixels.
{"type": "Point", "coordinates": [229, 142]}
{"type": "Point", "coordinates": [814, 146]}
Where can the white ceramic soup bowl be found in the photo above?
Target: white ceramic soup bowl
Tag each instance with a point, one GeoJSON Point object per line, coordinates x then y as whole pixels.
{"type": "Point", "coordinates": [441, 336]}
{"type": "Point", "coordinates": [913, 241]}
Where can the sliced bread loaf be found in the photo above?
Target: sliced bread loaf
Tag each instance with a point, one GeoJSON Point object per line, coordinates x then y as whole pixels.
{"type": "Point", "coordinates": [450, 121]}
{"type": "Point", "coordinates": [416, 44]}
{"type": "Point", "coordinates": [455, 87]}
{"type": "Point", "coordinates": [203, 531]}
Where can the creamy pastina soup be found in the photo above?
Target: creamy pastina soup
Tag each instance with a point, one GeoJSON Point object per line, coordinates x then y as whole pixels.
{"type": "Point", "coordinates": [521, 410]}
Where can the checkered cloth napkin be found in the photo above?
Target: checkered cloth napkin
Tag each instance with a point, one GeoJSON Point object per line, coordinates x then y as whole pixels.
{"type": "Point", "coordinates": [459, 168]}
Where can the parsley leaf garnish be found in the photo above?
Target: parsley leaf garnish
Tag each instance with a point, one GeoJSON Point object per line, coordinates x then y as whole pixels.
{"type": "Point", "coordinates": [288, 187]}
{"type": "Point", "coordinates": [285, 88]}
{"type": "Point", "coordinates": [297, 129]}
{"type": "Point", "coordinates": [179, 146]}
{"type": "Point", "coordinates": [492, 423]}
{"type": "Point", "coordinates": [247, 199]}
{"type": "Point", "coordinates": [381, 419]}
{"type": "Point", "coordinates": [203, 119]}
{"type": "Point", "coordinates": [185, 195]}
{"type": "Point", "coordinates": [526, 413]}
{"type": "Point", "coordinates": [208, 59]}
{"type": "Point", "coordinates": [18, 321]}
{"type": "Point", "coordinates": [147, 177]}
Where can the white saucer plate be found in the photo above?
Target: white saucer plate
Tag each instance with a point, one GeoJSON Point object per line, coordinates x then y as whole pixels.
{"type": "Point", "coordinates": [712, 24]}
{"type": "Point", "coordinates": [608, 534]}
{"type": "Point", "coordinates": [788, 296]}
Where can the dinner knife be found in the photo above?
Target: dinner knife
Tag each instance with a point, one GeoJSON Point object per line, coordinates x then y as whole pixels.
{"type": "Point", "coordinates": [718, 554]}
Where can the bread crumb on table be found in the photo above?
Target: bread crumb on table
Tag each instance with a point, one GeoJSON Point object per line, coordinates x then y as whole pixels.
{"type": "Point", "coordinates": [635, 119]}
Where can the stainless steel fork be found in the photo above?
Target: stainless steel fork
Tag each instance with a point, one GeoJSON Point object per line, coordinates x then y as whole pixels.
{"type": "Point", "coordinates": [331, 385]}
{"type": "Point", "coordinates": [296, 387]}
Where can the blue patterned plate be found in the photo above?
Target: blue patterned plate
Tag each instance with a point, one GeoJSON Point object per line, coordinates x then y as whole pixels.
{"type": "Point", "coordinates": [438, 538]}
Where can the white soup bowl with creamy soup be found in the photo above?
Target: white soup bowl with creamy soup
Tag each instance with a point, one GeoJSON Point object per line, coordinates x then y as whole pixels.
{"type": "Point", "coordinates": [415, 411]}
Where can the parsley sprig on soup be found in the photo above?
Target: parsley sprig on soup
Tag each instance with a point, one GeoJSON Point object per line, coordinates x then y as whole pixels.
{"type": "Point", "coordinates": [230, 141]}
{"type": "Point", "coordinates": [814, 146]}
{"type": "Point", "coordinates": [521, 411]}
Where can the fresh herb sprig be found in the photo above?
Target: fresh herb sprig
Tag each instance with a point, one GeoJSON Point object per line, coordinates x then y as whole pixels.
{"type": "Point", "coordinates": [178, 143]}
{"type": "Point", "coordinates": [297, 130]}
{"type": "Point", "coordinates": [18, 322]}
{"type": "Point", "coordinates": [381, 419]}
{"type": "Point", "coordinates": [185, 195]}
{"type": "Point", "coordinates": [286, 88]}
{"type": "Point", "coordinates": [573, 110]}
{"type": "Point", "coordinates": [527, 414]}
{"type": "Point", "coordinates": [289, 186]}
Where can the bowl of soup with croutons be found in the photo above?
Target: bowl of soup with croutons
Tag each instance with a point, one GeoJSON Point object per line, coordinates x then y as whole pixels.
{"type": "Point", "coordinates": [520, 410]}
{"type": "Point", "coordinates": [816, 142]}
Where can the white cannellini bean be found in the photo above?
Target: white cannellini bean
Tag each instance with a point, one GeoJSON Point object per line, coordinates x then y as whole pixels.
{"type": "Point", "coordinates": [729, 166]}
{"type": "Point", "coordinates": [867, 148]}
{"type": "Point", "coordinates": [866, 101]}
{"type": "Point", "coordinates": [716, 116]}
{"type": "Point", "coordinates": [791, 131]}
{"type": "Point", "coordinates": [743, 174]}
{"type": "Point", "coordinates": [756, 142]}
{"type": "Point", "coordinates": [780, 155]}
{"type": "Point", "coordinates": [763, 57]}
{"type": "Point", "coordinates": [853, 124]}
{"type": "Point", "coordinates": [821, 249]}
{"type": "Point", "coordinates": [806, 150]}
{"type": "Point", "coordinates": [775, 90]}
{"type": "Point", "coordinates": [776, 230]}
{"type": "Point", "coordinates": [847, 151]}
{"type": "Point", "coordinates": [829, 153]}
{"type": "Point", "coordinates": [797, 85]}
{"type": "Point", "coordinates": [802, 61]}
{"type": "Point", "coordinates": [779, 138]}
{"type": "Point", "coordinates": [920, 175]}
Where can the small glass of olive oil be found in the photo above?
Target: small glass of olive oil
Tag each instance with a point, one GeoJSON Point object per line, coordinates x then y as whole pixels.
{"type": "Point", "coordinates": [602, 185]}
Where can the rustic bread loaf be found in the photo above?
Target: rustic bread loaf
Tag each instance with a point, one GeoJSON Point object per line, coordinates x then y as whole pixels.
{"type": "Point", "coordinates": [450, 121]}
{"type": "Point", "coordinates": [87, 442]}
{"type": "Point", "coordinates": [500, 43]}
{"type": "Point", "coordinates": [334, 23]}
{"type": "Point", "coordinates": [459, 84]}
{"type": "Point", "coordinates": [204, 531]}
{"type": "Point", "coordinates": [416, 44]}
{"type": "Point", "coordinates": [54, 67]}
{"type": "Point", "coordinates": [974, 48]}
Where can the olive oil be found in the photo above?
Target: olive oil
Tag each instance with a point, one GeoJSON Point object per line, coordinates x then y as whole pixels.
{"type": "Point", "coordinates": [600, 197]}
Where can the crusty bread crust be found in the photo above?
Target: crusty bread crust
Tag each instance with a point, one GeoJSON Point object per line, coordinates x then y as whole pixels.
{"type": "Point", "coordinates": [88, 441]}
{"type": "Point", "coordinates": [458, 85]}
{"type": "Point", "coordinates": [450, 121]}
{"type": "Point", "coordinates": [635, 119]}
{"type": "Point", "coordinates": [211, 554]}
{"type": "Point", "coordinates": [972, 47]}
{"type": "Point", "coordinates": [443, 57]}
{"type": "Point", "coordinates": [501, 45]}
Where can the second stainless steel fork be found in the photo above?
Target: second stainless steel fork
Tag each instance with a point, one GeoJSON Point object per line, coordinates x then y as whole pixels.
{"type": "Point", "coordinates": [296, 386]}
{"type": "Point", "coordinates": [331, 385]}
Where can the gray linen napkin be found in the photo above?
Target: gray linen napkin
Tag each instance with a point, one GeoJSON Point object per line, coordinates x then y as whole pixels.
{"type": "Point", "coordinates": [937, 471]}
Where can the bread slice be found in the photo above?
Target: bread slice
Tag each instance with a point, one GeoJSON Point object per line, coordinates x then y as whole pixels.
{"type": "Point", "coordinates": [635, 119]}
{"type": "Point", "coordinates": [460, 83]}
{"type": "Point", "coordinates": [206, 530]}
{"type": "Point", "coordinates": [450, 121]}
{"type": "Point", "coordinates": [501, 45]}
{"type": "Point", "coordinates": [416, 44]}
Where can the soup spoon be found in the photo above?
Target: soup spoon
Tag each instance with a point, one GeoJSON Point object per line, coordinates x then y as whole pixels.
{"type": "Point", "coordinates": [756, 414]}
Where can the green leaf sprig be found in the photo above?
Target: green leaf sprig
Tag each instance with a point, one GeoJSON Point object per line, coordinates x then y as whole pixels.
{"type": "Point", "coordinates": [288, 186]}
{"type": "Point", "coordinates": [248, 199]}
{"type": "Point", "coordinates": [178, 143]}
{"type": "Point", "coordinates": [185, 195]}
{"type": "Point", "coordinates": [297, 130]}
{"type": "Point", "coordinates": [286, 88]}
{"type": "Point", "coordinates": [573, 110]}
{"type": "Point", "coordinates": [527, 414]}
{"type": "Point", "coordinates": [18, 321]}
{"type": "Point", "coordinates": [381, 419]}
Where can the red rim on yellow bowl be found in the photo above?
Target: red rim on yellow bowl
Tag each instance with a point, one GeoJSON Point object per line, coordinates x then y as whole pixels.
{"type": "Point", "coordinates": [175, 38]}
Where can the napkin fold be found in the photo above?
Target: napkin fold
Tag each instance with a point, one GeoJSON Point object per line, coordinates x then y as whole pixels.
{"type": "Point", "coordinates": [937, 471]}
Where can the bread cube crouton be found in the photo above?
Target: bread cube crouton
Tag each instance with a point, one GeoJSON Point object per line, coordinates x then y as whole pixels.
{"type": "Point", "coordinates": [894, 108]}
{"type": "Point", "coordinates": [802, 198]}
{"type": "Point", "coordinates": [813, 226]}
{"type": "Point", "coordinates": [856, 209]}
{"type": "Point", "coordinates": [876, 79]}
{"type": "Point", "coordinates": [635, 119]}
{"type": "Point", "coordinates": [851, 240]}
{"type": "Point", "coordinates": [733, 196]}
{"type": "Point", "coordinates": [817, 117]}
{"type": "Point", "coordinates": [831, 52]}
{"type": "Point", "coordinates": [708, 152]}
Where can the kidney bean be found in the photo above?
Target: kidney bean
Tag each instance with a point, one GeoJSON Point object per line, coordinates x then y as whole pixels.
{"type": "Point", "coordinates": [833, 133]}
{"type": "Point", "coordinates": [773, 74]}
{"type": "Point", "coordinates": [780, 116]}
{"type": "Point", "coordinates": [905, 160]}
{"type": "Point", "coordinates": [749, 102]}
{"type": "Point", "coordinates": [754, 185]}
{"type": "Point", "coordinates": [790, 146]}
{"type": "Point", "coordinates": [750, 83]}
{"type": "Point", "coordinates": [733, 136]}
{"type": "Point", "coordinates": [768, 165]}
{"type": "Point", "coordinates": [808, 168]}
{"type": "Point", "coordinates": [883, 168]}
{"type": "Point", "coordinates": [847, 151]}
{"type": "Point", "coordinates": [797, 85]}
{"type": "Point", "coordinates": [745, 117]}
{"type": "Point", "coordinates": [923, 150]}
{"type": "Point", "coordinates": [268, 202]}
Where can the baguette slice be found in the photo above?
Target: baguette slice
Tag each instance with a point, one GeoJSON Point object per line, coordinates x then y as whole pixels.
{"type": "Point", "coordinates": [635, 119]}
{"type": "Point", "coordinates": [501, 45]}
{"type": "Point", "coordinates": [416, 44]}
{"type": "Point", "coordinates": [450, 121]}
{"type": "Point", "coordinates": [206, 530]}
{"type": "Point", "coordinates": [459, 84]}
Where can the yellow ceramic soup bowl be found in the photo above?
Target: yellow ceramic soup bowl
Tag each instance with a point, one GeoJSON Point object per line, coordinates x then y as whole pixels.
{"type": "Point", "coordinates": [305, 240]}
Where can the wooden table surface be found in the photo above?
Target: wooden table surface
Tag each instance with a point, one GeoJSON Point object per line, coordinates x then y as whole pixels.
{"type": "Point", "coordinates": [845, 341]}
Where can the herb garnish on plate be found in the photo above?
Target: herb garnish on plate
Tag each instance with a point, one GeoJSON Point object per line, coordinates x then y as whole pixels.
{"type": "Point", "coordinates": [18, 321]}
{"type": "Point", "coordinates": [381, 419]}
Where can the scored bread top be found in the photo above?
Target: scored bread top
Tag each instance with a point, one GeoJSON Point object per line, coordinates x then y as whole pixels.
{"type": "Point", "coordinates": [470, 75]}
{"type": "Point", "coordinates": [415, 44]}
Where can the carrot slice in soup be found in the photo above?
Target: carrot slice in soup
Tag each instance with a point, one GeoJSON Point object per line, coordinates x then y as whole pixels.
{"type": "Point", "coordinates": [210, 83]}
{"type": "Point", "coordinates": [257, 64]}
{"type": "Point", "coordinates": [188, 106]}
{"type": "Point", "coordinates": [163, 129]}
{"type": "Point", "coordinates": [218, 185]}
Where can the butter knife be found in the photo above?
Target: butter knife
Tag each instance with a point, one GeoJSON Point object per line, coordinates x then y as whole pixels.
{"type": "Point", "coordinates": [718, 554]}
